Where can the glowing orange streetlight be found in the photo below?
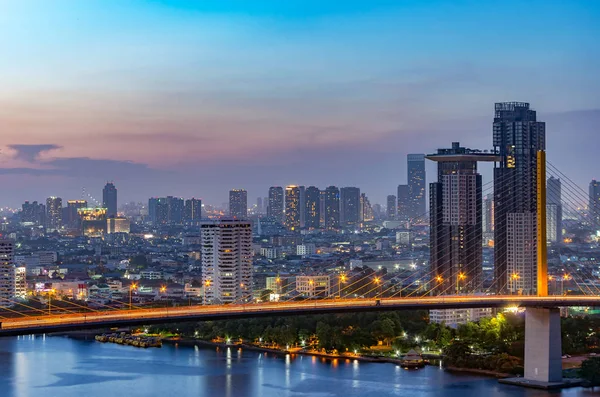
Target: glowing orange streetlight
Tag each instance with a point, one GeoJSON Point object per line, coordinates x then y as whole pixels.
{"type": "Point", "coordinates": [132, 286]}
{"type": "Point", "coordinates": [459, 277]}
{"type": "Point", "coordinates": [341, 279]}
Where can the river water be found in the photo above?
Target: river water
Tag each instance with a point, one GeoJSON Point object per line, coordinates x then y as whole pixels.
{"type": "Point", "coordinates": [59, 366]}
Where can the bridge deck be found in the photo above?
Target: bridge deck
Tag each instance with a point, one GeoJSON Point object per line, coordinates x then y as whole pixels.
{"type": "Point", "coordinates": [90, 320]}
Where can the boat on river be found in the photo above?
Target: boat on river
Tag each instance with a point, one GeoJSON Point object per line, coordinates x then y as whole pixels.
{"type": "Point", "coordinates": [412, 359]}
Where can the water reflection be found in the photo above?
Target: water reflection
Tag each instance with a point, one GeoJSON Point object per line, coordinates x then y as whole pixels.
{"type": "Point", "coordinates": [55, 366]}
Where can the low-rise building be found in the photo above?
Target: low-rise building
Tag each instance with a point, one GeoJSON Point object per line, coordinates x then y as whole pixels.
{"type": "Point", "coordinates": [313, 286]}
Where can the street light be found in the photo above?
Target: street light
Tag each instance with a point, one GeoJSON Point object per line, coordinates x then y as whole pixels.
{"type": "Point", "coordinates": [206, 286]}
{"type": "Point", "coordinates": [461, 276]}
{"type": "Point", "coordinates": [131, 288]}
{"type": "Point", "coordinates": [377, 280]}
{"type": "Point", "coordinates": [341, 279]}
{"type": "Point", "coordinates": [514, 277]}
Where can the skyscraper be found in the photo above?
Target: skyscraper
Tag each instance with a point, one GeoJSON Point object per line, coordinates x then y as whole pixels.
{"type": "Point", "coordinates": [456, 220]}
{"type": "Point", "coordinates": [594, 204]}
{"type": "Point", "coordinates": [259, 205]}
{"type": "Point", "coordinates": [109, 199]}
{"type": "Point", "coordinates": [175, 210]}
{"type": "Point", "coordinates": [53, 213]}
{"type": "Point", "coordinates": [312, 207]}
{"type": "Point", "coordinates": [302, 205]}
{"type": "Point", "coordinates": [349, 206]}
{"type": "Point", "coordinates": [391, 207]}
{"type": "Point", "coordinates": [416, 185]}
{"type": "Point", "coordinates": [192, 211]}
{"type": "Point", "coordinates": [404, 204]}
{"type": "Point", "coordinates": [553, 210]}
{"type": "Point", "coordinates": [517, 138]}
{"type": "Point", "coordinates": [7, 272]}
{"type": "Point", "coordinates": [166, 210]}
{"type": "Point", "coordinates": [226, 261]}
{"type": "Point", "coordinates": [238, 203]}
{"type": "Point", "coordinates": [275, 206]}
{"type": "Point", "coordinates": [292, 207]}
{"type": "Point", "coordinates": [332, 208]}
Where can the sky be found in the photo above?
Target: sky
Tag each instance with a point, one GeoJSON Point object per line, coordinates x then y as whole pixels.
{"type": "Point", "coordinates": [194, 98]}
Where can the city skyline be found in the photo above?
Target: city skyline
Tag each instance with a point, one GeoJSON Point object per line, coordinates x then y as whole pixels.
{"type": "Point", "coordinates": [159, 110]}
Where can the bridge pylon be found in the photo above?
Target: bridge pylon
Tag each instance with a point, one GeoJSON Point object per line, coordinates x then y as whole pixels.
{"type": "Point", "coordinates": [542, 242]}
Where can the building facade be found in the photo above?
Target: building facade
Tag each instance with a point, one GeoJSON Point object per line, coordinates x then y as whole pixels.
{"type": "Point", "coordinates": [350, 206]}
{"type": "Point", "coordinates": [517, 138]}
{"type": "Point", "coordinates": [292, 207]}
{"type": "Point", "coordinates": [312, 207]}
{"type": "Point", "coordinates": [53, 213]}
{"type": "Point", "coordinates": [7, 273]}
{"type": "Point", "coordinates": [416, 186]}
{"type": "Point", "coordinates": [391, 207]}
{"type": "Point", "coordinates": [313, 286]}
{"type": "Point", "coordinates": [238, 204]}
{"type": "Point", "coordinates": [226, 261]}
{"type": "Point", "coordinates": [276, 203]}
{"type": "Point", "coordinates": [332, 208]}
{"type": "Point", "coordinates": [456, 253]}
{"type": "Point", "coordinates": [404, 203]}
{"type": "Point", "coordinates": [553, 210]}
{"type": "Point", "coordinates": [109, 199]}
{"type": "Point", "coordinates": [594, 204]}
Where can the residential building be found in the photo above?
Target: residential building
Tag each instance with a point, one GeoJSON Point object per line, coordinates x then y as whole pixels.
{"type": "Point", "coordinates": [517, 139]}
{"type": "Point", "coordinates": [350, 206]}
{"type": "Point", "coordinates": [332, 208]}
{"type": "Point", "coordinates": [53, 213]}
{"type": "Point", "coordinates": [312, 207]}
{"type": "Point", "coordinates": [7, 273]}
{"type": "Point", "coordinates": [313, 286]}
{"type": "Point", "coordinates": [391, 207]}
{"type": "Point", "coordinates": [276, 203]}
{"type": "Point", "coordinates": [292, 207]}
{"type": "Point", "coordinates": [226, 260]}
{"type": "Point", "coordinates": [238, 204]}
{"type": "Point", "coordinates": [404, 210]}
{"type": "Point", "coordinates": [553, 210]}
{"type": "Point", "coordinates": [416, 186]}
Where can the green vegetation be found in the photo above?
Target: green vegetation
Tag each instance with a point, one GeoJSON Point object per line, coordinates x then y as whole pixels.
{"type": "Point", "coordinates": [590, 371]}
{"type": "Point", "coordinates": [495, 343]}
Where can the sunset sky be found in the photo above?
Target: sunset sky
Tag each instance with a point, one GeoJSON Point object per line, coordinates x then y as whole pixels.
{"type": "Point", "coordinates": [192, 98]}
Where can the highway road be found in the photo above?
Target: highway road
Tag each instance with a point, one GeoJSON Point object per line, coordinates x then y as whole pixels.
{"type": "Point", "coordinates": [104, 319]}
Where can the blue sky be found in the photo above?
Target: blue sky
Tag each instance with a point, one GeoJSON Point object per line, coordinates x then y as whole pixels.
{"type": "Point", "coordinates": [194, 98]}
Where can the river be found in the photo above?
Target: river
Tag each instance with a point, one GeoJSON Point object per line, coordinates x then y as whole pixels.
{"type": "Point", "coordinates": [59, 366]}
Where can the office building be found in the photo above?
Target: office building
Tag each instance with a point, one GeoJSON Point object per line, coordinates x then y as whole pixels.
{"type": "Point", "coordinates": [53, 213]}
{"type": "Point", "coordinates": [192, 211]}
{"type": "Point", "coordinates": [117, 224]}
{"type": "Point", "coordinates": [350, 206]}
{"type": "Point", "coordinates": [456, 253]}
{"type": "Point", "coordinates": [332, 208]}
{"type": "Point", "coordinates": [404, 203]}
{"type": "Point", "coordinates": [416, 186]}
{"type": "Point", "coordinates": [226, 261]}
{"type": "Point", "coordinates": [553, 210]}
{"type": "Point", "coordinates": [33, 213]}
{"type": "Point", "coordinates": [7, 273]}
{"type": "Point", "coordinates": [109, 199]}
{"type": "Point", "coordinates": [275, 206]}
{"type": "Point", "coordinates": [517, 138]}
{"type": "Point", "coordinates": [93, 221]}
{"type": "Point", "coordinates": [594, 204]}
{"type": "Point", "coordinates": [238, 204]}
{"type": "Point", "coordinates": [71, 218]}
{"type": "Point", "coordinates": [391, 207]}
{"type": "Point", "coordinates": [312, 207]}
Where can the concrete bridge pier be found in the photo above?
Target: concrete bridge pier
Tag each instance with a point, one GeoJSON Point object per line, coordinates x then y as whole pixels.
{"type": "Point", "coordinates": [543, 346]}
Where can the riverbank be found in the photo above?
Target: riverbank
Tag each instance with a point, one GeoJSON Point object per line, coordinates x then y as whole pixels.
{"type": "Point", "coordinates": [484, 372]}
{"type": "Point", "coordinates": [279, 352]}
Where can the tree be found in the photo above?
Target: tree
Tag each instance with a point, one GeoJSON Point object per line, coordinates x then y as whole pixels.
{"type": "Point", "coordinates": [265, 295]}
{"type": "Point", "coordinates": [590, 371]}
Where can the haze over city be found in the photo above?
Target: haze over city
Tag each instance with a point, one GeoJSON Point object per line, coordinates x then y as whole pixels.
{"type": "Point", "coordinates": [195, 98]}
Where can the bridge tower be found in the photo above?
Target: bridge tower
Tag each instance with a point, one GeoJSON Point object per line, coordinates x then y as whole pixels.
{"type": "Point", "coordinates": [543, 348]}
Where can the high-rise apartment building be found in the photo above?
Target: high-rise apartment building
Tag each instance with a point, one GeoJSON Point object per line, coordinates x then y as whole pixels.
{"type": "Point", "coordinates": [404, 210]}
{"type": "Point", "coordinates": [312, 207]}
{"type": "Point", "coordinates": [166, 210]}
{"type": "Point", "coordinates": [109, 199]}
{"type": "Point", "coordinates": [302, 205]}
{"type": "Point", "coordinates": [391, 207]}
{"type": "Point", "coordinates": [456, 220]}
{"type": "Point", "coordinates": [292, 207]}
{"type": "Point", "coordinates": [594, 204]}
{"type": "Point", "coordinates": [366, 211]}
{"type": "Point", "coordinates": [275, 206]}
{"type": "Point", "coordinates": [53, 213]}
{"type": "Point", "coordinates": [332, 208]}
{"type": "Point", "coordinates": [192, 213]}
{"type": "Point", "coordinates": [517, 138]}
{"type": "Point", "coordinates": [416, 185]}
{"type": "Point", "coordinates": [238, 204]}
{"type": "Point", "coordinates": [7, 272]}
{"type": "Point", "coordinates": [33, 213]}
{"type": "Point", "coordinates": [553, 210]}
{"type": "Point", "coordinates": [488, 214]}
{"type": "Point", "coordinates": [226, 261]}
{"type": "Point", "coordinates": [350, 214]}
{"type": "Point", "coordinates": [72, 219]}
